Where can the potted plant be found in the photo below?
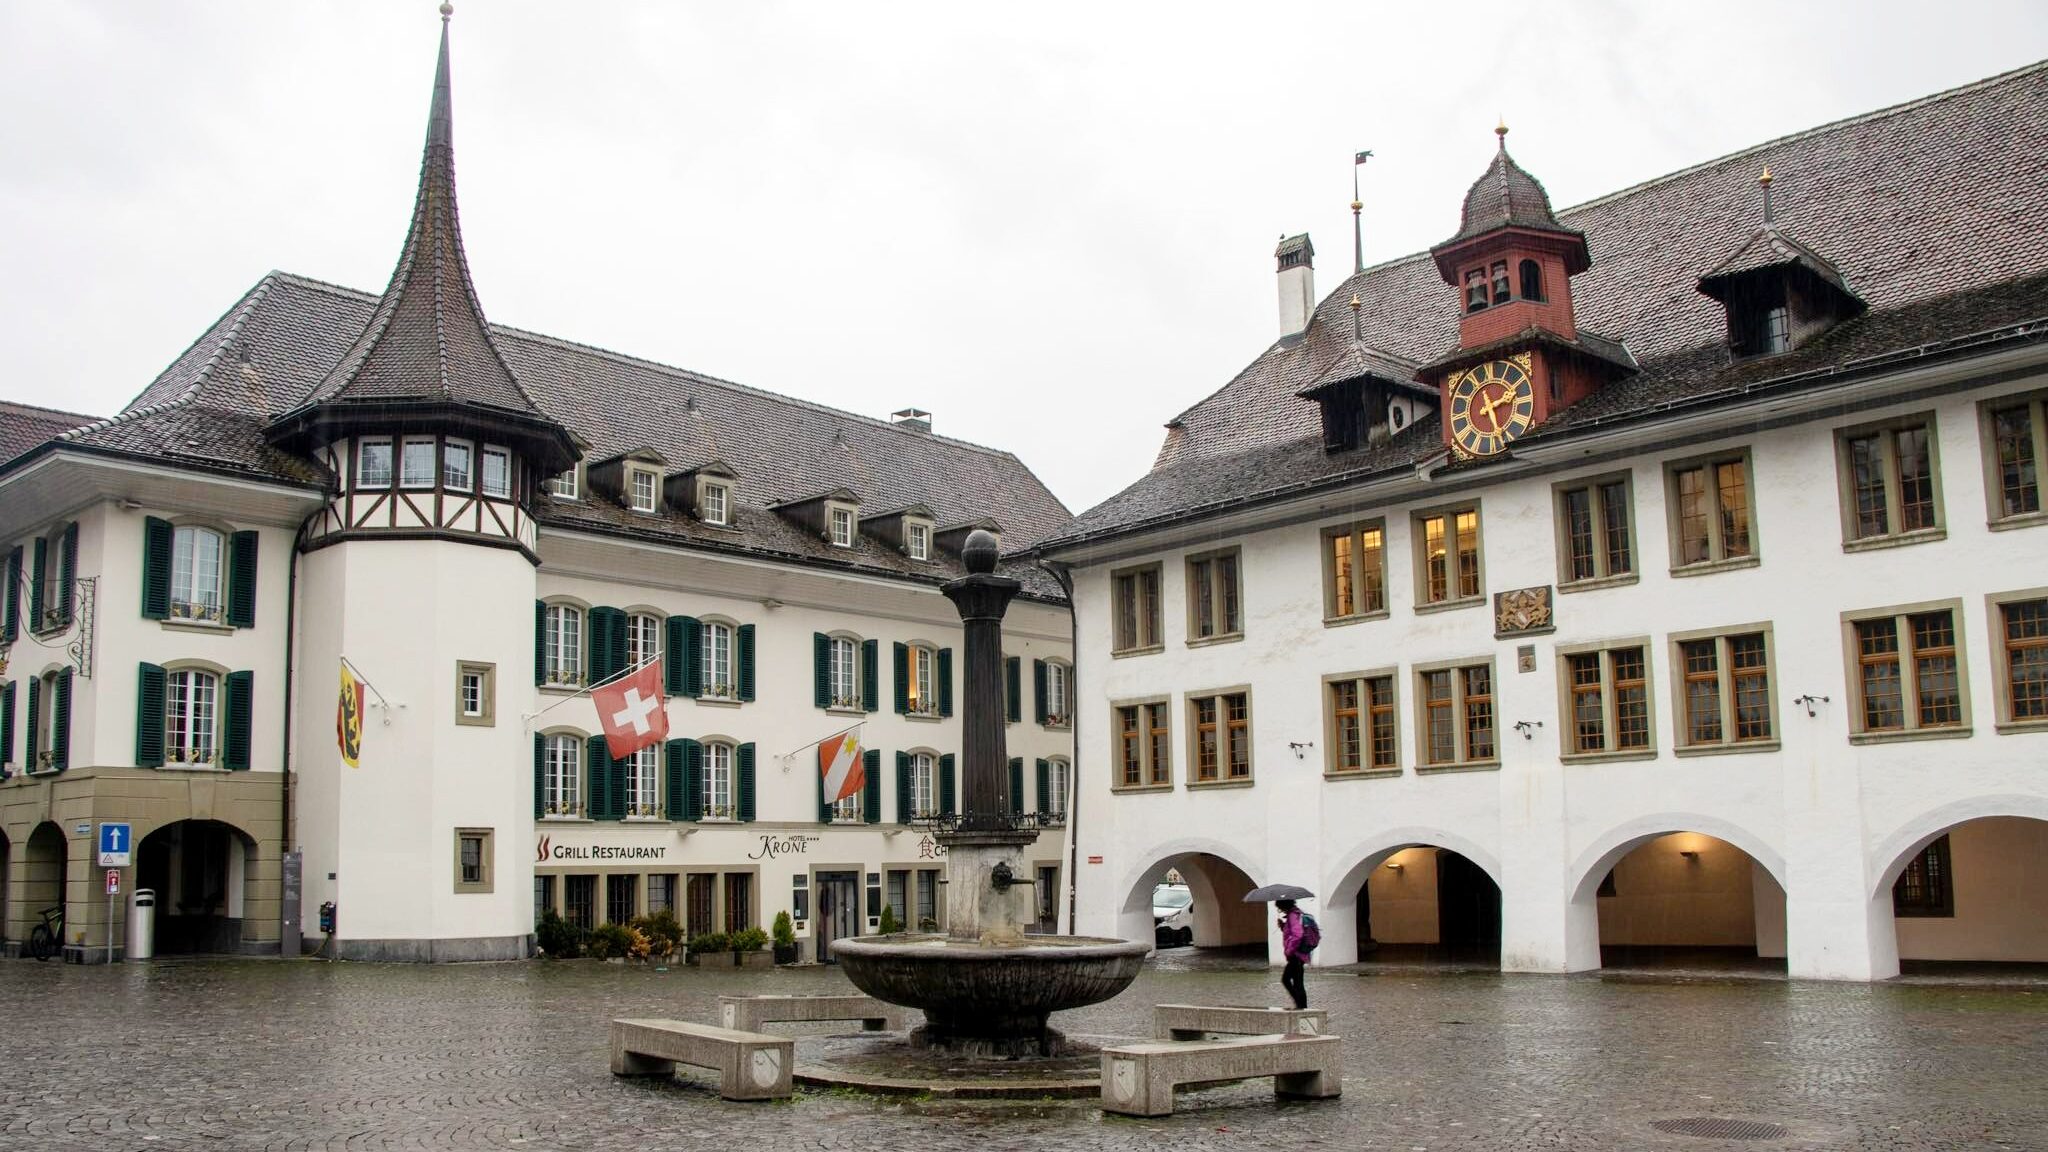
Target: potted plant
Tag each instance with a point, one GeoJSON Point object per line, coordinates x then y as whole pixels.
{"type": "Point", "coordinates": [890, 925]}
{"type": "Point", "coordinates": [611, 942]}
{"type": "Point", "coordinates": [663, 932]}
{"type": "Point", "coordinates": [710, 947]}
{"type": "Point", "coordinates": [558, 939]}
{"type": "Point", "coordinates": [750, 948]}
{"type": "Point", "coordinates": [785, 939]}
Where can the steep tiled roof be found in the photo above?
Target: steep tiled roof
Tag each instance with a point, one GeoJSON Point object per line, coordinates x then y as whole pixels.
{"type": "Point", "coordinates": [1770, 247]}
{"type": "Point", "coordinates": [23, 426]}
{"type": "Point", "coordinates": [1505, 196]}
{"type": "Point", "coordinates": [1932, 209]}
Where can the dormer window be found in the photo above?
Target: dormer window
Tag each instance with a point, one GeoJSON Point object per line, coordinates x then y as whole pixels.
{"type": "Point", "coordinates": [717, 503]}
{"type": "Point", "coordinates": [641, 489]}
{"type": "Point", "coordinates": [1475, 290]}
{"type": "Point", "coordinates": [1760, 323]}
{"type": "Point", "coordinates": [839, 529]}
{"type": "Point", "coordinates": [917, 540]}
{"type": "Point", "coordinates": [1532, 281]}
{"type": "Point", "coordinates": [564, 486]}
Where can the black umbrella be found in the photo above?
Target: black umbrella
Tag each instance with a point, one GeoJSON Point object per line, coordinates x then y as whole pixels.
{"type": "Point", "coordinates": [1272, 892]}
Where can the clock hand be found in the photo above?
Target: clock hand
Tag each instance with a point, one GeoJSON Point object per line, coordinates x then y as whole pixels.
{"type": "Point", "coordinates": [1499, 399]}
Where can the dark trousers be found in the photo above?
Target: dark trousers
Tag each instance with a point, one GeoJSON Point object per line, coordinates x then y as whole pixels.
{"type": "Point", "coordinates": [1290, 979]}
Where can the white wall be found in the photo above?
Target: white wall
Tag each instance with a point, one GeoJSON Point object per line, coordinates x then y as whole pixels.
{"type": "Point", "coordinates": [2001, 874]}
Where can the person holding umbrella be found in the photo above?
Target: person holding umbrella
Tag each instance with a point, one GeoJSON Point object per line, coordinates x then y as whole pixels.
{"type": "Point", "coordinates": [1299, 934]}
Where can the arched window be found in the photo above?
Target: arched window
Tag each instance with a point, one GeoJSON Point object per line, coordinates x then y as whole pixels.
{"type": "Point", "coordinates": [643, 783]}
{"type": "Point", "coordinates": [562, 778]}
{"type": "Point", "coordinates": [1500, 282]}
{"type": "Point", "coordinates": [1475, 290]}
{"type": "Point", "coordinates": [1532, 280]}
{"type": "Point", "coordinates": [643, 638]}
{"type": "Point", "coordinates": [716, 642]}
{"type": "Point", "coordinates": [718, 782]}
{"type": "Point", "coordinates": [924, 790]}
{"type": "Point", "coordinates": [43, 721]}
{"type": "Point", "coordinates": [191, 716]}
{"type": "Point", "coordinates": [1059, 779]}
{"type": "Point", "coordinates": [562, 645]}
{"type": "Point", "coordinates": [196, 569]}
{"type": "Point", "coordinates": [922, 683]}
{"type": "Point", "coordinates": [845, 672]}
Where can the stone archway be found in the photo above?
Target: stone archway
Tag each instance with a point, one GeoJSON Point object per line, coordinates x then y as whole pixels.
{"type": "Point", "coordinates": [198, 870]}
{"type": "Point", "coordinates": [1437, 894]}
{"type": "Point", "coordinates": [1218, 885]}
{"type": "Point", "coordinates": [1975, 891]}
{"type": "Point", "coordinates": [1682, 898]}
{"type": "Point", "coordinates": [45, 879]}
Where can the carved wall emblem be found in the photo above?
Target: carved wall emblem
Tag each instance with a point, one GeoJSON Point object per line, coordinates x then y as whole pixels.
{"type": "Point", "coordinates": [1306, 1026]}
{"type": "Point", "coordinates": [1522, 611]}
{"type": "Point", "coordinates": [728, 1015]}
{"type": "Point", "coordinates": [766, 1067]}
{"type": "Point", "coordinates": [1123, 1079]}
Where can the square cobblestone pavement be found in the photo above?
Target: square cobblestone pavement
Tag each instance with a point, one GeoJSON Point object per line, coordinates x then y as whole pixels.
{"type": "Point", "coordinates": [308, 1055]}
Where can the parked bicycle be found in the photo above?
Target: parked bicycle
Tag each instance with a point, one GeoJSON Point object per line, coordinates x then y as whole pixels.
{"type": "Point", "coordinates": [47, 939]}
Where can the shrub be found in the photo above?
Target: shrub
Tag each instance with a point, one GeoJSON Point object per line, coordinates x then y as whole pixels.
{"type": "Point", "coordinates": [663, 931]}
{"type": "Point", "coordinates": [748, 940]}
{"type": "Point", "coordinates": [557, 937]}
{"type": "Point", "coordinates": [610, 940]}
{"type": "Point", "coordinates": [710, 942]}
{"type": "Point", "coordinates": [890, 925]}
{"type": "Point", "coordinates": [785, 932]}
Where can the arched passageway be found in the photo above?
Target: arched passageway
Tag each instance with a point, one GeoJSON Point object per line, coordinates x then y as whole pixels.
{"type": "Point", "coordinates": [1427, 905]}
{"type": "Point", "coordinates": [1216, 917]}
{"type": "Point", "coordinates": [197, 869]}
{"type": "Point", "coordinates": [1976, 893]}
{"type": "Point", "coordinates": [44, 879]}
{"type": "Point", "coordinates": [1686, 899]}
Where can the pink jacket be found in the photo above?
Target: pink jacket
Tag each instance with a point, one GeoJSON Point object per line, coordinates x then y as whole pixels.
{"type": "Point", "coordinates": [1290, 934]}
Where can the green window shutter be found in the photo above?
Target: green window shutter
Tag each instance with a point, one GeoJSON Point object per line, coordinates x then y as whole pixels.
{"type": "Point", "coordinates": [1013, 709]}
{"type": "Point", "coordinates": [674, 648]}
{"type": "Point", "coordinates": [242, 580]}
{"type": "Point", "coordinates": [60, 724]}
{"type": "Point", "coordinates": [240, 712]}
{"type": "Point", "coordinates": [67, 573]}
{"type": "Point", "coordinates": [693, 657]}
{"type": "Point", "coordinates": [156, 568]}
{"type": "Point", "coordinates": [693, 780]}
{"type": "Point", "coordinates": [903, 813]}
{"type": "Point", "coordinates": [672, 780]}
{"type": "Point", "coordinates": [946, 792]}
{"type": "Point", "coordinates": [821, 669]}
{"type": "Point", "coordinates": [149, 717]}
{"type": "Point", "coordinates": [902, 654]}
{"type": "Point", "coordinates": [10, 607]}
{"type": "Point", "coordinates": [744, 641]}
{"type": "Point", "coordinates": [1044, 787]}
{"type": "Point", "coordinates": [745, 784]}
{"type": "Point", "coordinates": [7, 722]}
{"type": "Point", "coordinates": [1038, 691]}
{"type": "Point", "coordinates": [615, 786]}
{"type": "Point", "coordinates": [617, 642]}
{"type": "Point", "coordinates": [1016, 784]}
{"type": "Point", "coordinates": [41, 558]}
{"type": "Point", "coordinates": [597, 775]}
{"type": "Point", "coordinates": [597, 637]}
{"type": "Point", "coordinates": [870, 673]}
{"type": "Point", "coordinates": [945, 681]}
{"type": "Point", "coordinates": [35, 709]}
{"type": "Point", "coordinates": [540, 775]}
{"type": "Point", "coordinates": [871, 787]}
{"type": "Point", "coordinates": [540, 644]}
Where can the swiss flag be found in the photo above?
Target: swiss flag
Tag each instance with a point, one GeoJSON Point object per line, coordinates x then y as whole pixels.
{"type": "Point", "coordinates": [632, 711]}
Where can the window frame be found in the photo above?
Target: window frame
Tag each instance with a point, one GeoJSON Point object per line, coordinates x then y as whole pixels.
{"type": "Point", "coordinates": [712, 811]}
{"type": "Point", "coordinates": [390, 446]}
{"type": "Point", "coordinates": [189, 611]}
{"type": "Point", "coordinates": [1887, 430]}
{"type": "Point", "coordinates": [1595, 487]}
{"type": "Point", "coordinates": [1367, 769]}
{"type": "Point", "coordinates": [652, 808]}
{"type": "Point", "coordinates": [917, 539]}
{"type": "Point", "coordinates": [574, 476]}
{"type": "Point", "coordinates": [708, 649]}
{"type": "Point", "coordinates": [1148, 632]}
{"type": "Point", "coordinates": [2036, 404]}
{"type": "Point", "coordinates": [1906, 656]}
{"type": "Point", "coordinates": [651, 644]}
{"type": "Point", "coordinates": [449, 447]}
{"type": "Point", "coordinates": [1224, 725]}
{"type": "Point", "coordinates": [723, 491]}
{"type": "Point", "coordinates": [1943, 905]}
{"type": "Point", "coordinates": [924, 768]}
{"type": "Point", "coordinates": [1059, 719]}
{"type": "Point", "coordinates": [1567, 715]}
{"type": "Point", "coordinates": [634, 478]}
{"type": "Point", "coordinates": [1717, 559]}
{"type": "Point", "coordinates": [483, 471]}
{"type": "Point", "coordinates": [487, 715]}
{"type": "Point", "coordinates": [853, 699]}
{"type": "Point", "coordinates": [1354, 532]}
{"type": "Point", "coordinates": [921, 681]}
{"type": "Point", "coordinates": [1724, 674]}
{"type": "Point", "coordinates": [1152, 775]}
{"type": "Point", "coordinates": [839, 516]}
{"type": "Point", "coordinates": [175, 757]}
{"type": "Point", "coordinates": [559, 803]}
{"type": "Point", "coordinates": [558, 677]}
{"type": "Point", "coordinates": [1461, 759]}
{"type": "Point", "coordinates": [2001, 662]}
{"type": "Point", "coordinates": [1220, 595]}
{"type": "Point", "coordinates": [1419, 549]}
{"type": "Point", "coordinates": [486, 871]}
{"type": "Point", "coordinates": [1059, 787]}
{"type": "Point", "coordinates": [433, 473]}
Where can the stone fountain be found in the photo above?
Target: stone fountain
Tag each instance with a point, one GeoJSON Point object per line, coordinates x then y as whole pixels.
{"type": "Point", "coordinates": [985, 987]}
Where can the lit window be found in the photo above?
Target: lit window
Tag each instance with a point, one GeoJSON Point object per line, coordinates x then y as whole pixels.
{"type": "Point", "coordinates": [497, 472]}
{"type": "Point", "coordinates": [196, 574]}
{"type": "Point", "coordinates": [416, 466]}
{"type": "Point", "coordinates": [373, 463]}
{"type": "Point", "coordinates": [1608, 701]}
{"type": "Point", "coordinates": [562, 645]}
{"type": "Point", "coordinates": [1727, 690]}
{"type": "Point", "coordinates": [1888, 480]}
{"type": "Point", "coordinates": [1907, 675]}
{"type": "Point", "coordinates": [1144, 745]}
{"type": "Point", "coordinates": [718, 782]}
{"type": "Point", "coordinates": [1354, 571]}
{"type": "Point", "coordinates": [1214, 596]}
{"type": "Point", "coordinates": [1593, 530]}
{"type": "Point", "coordinates": [643, 783]}
{"type": "Point", "coordinates": [717, 504]}
{"type": "Point", "coordinates": [1449, 545]}
{"type": "Point", "coordinates": [1135, 596]}
{"type": "Point", "coordinates": [563, 486]}
{"type": "Point", "coordinates": [717, 647]}
{"type": "Point", "coordinates": [1362, 724]}
{"type": "Point", "coordinates": [191, 716]}
{"type": "Point", "coordinates": [643, 483]}
{"type": "Point", "coordinates": [842, 528]}
{"type": "Point", "coordinates": [918, 541]}
{"type": "Point", "coordinates": [562, 791]}
{"type": "Point", "coordinates": [456, 468]}
{"type": "Point", "coordinates": [1710, 512]}
{"type": "Point", "coordinates": [1222, 735]}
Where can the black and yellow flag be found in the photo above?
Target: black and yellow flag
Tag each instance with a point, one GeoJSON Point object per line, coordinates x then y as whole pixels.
{"type": "Point", "coordinates": [348, 717]}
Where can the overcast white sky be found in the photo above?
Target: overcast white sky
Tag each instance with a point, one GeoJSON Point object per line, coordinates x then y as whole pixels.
{"type": "Point", "coordinates": [1051, 224]}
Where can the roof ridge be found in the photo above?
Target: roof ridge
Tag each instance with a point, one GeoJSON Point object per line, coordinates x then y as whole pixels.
{"type": "Point", "coordinates": [242, 310]}
{"type": "Point", "coordinates": [30, 409]}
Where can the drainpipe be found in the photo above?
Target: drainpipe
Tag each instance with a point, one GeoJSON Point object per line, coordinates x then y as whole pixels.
{"type": "Point", "coordinates": [1059, 573]}
{"type": "Point", "coordinates": [291, 636]}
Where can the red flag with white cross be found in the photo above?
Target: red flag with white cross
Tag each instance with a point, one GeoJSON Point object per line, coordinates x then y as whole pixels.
{"type": "Point", "coordinates": [632, 711]}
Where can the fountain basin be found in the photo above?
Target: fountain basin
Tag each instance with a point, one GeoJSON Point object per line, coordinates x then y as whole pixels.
{"type": "Point", "coordinates": [990, 1000]}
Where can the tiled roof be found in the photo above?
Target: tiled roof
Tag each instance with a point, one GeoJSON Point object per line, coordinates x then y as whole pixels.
{"type": "Point", "coordinates": [24, 426]}
{"type": "Point", "coordinates": [1504, 196]}
{"type": "Point", "coordinates": [1932, 209]}
{"type": "Point", "coordinates": [1770, 247]}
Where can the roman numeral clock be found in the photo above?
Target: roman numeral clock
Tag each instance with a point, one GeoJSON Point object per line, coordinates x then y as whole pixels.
{"type": "Point", "coordinates": [1491, 405]}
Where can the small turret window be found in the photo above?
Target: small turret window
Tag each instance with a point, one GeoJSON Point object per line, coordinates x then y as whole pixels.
{"type": "Point", "coordinates": [497, 472]}
{"type": "Point", "coordinates": [1500, 282]}
{"type": "Point", "coordinates": [416, 465]}
{"type": "Point", "coordinates": [373, 463]}
{"type": "Point", "coordinates": [1475, 290]}
{"type": "Point", "coordinates": [1532, 280]}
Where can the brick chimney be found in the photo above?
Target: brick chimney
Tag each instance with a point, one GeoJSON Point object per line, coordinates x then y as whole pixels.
{"type": "Point", "coordinates": [1296, 258]}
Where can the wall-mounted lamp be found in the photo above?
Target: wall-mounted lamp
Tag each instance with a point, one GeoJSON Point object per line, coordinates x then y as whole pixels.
{"type": "Point", "coordinates": [1809, 700]}
{"type": "Point", "coordinates": [1396, 866]}
{"type": "Point", "coordinates": [1299, 747]}
{"type": "Point", "coordinates": [1528, 728]}
{"type": "Point", "coordinates": [770, 603]}
{"type": "Point", "coordinates": [1691, 855]}
{"type": "Point", "coordinates": [130, 504]}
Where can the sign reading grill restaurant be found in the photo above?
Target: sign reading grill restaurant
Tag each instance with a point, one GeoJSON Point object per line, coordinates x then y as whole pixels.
{"type": "Point", "coordinates": [548, 852]}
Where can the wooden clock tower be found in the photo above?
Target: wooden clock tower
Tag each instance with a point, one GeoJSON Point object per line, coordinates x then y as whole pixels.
{"type": "Point", "coordinates": [1521, 354]}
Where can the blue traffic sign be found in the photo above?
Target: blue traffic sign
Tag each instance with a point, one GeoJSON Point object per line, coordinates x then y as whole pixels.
{"type": "Point", "coordinates": [116, 842]}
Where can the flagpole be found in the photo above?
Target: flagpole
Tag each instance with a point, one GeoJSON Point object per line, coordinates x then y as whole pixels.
{"type": "Point", "coordinates": [786, 757]}
{"type": "Point", "coordinates": [591, 687]}
{"type": "Point", "coordinates": [350, 665]}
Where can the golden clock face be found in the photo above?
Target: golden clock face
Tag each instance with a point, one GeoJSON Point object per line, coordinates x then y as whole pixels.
{"type": "Point", "coordinates": [1491, 404]}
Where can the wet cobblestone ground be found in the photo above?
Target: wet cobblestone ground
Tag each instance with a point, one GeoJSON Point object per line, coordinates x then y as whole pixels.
{"type": "Point", "coordinates": [307, 1055]}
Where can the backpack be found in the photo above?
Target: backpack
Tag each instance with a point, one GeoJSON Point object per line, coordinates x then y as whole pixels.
{"type": "Point", "coordinates": [1311, 935]}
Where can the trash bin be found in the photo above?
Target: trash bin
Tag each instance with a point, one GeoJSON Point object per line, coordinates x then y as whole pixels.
{"type": "Point", "coordinates": [142, 924]}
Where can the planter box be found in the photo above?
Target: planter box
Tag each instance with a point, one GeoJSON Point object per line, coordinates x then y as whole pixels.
{"type": "Point", "coordinates": [761, 959]}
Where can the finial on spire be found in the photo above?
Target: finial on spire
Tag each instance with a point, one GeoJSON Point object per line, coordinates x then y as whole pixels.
{"type": "Point", "coordinates": [1500, 132]}
{"type": "Point", "coordinates": [1764, 182]}
{"type": "Point", "coordinates": [1357, 205]}
{"type": "Point", "coordinates": [447, 10]}
{"type": "Point", "coordinates": [1356, 304]}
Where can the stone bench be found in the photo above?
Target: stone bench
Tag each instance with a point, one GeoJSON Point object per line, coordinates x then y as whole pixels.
{"type": "Point", "coordinates": [750, 1066]}
{"type": "Point", "coordinates": [748, 1013]}
{"type": "Point", "coordinates": [1139, 1079]}
{"type": "Point", "coordinates": [1194, 1021]}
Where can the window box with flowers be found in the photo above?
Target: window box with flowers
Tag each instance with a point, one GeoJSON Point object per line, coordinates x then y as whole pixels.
{"type": "Point", "coordinates": [719, 814]}
{"type": "Point", "coordinates": [190, 612]}
{"type": "Point", "coordinates": [192, 757]}
{"type": "Point", "coordinates": [563, 812]}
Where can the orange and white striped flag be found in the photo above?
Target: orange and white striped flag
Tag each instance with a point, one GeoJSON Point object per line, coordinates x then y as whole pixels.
{"type": "Point", "coordinates": [839, 762]}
